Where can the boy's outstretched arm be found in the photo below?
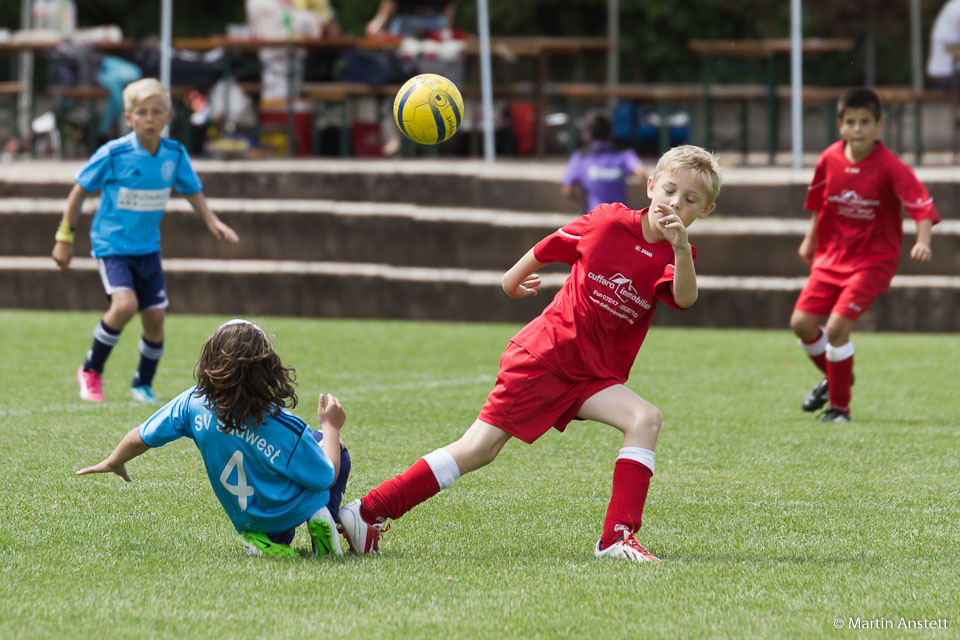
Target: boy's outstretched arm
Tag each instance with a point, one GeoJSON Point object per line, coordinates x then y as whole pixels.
{"type": "Point", "coordinates": [129, 448]}
{"type": "Point", "coordinates": [63, 249]}
{"type": "Point", "coordinates": [921, 251]}
{"type": "Point", "coordinates": [520, 280]}
{"type": "Point", "coordinates": [219, 229]}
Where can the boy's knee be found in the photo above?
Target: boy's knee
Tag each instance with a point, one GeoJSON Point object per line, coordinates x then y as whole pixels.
{"type": "Point", "coordinates": [646, 419]}
{"type": "Point", "coordinates": [838, 333]}
{"type": "Point", "coordinates": [125, 306]}
{"type": "Point", "coordinates": [803, 326]}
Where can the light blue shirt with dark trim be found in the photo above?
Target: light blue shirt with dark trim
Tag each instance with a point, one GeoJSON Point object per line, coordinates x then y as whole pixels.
{"type": "Point", "coordinates": [268, 479]}
{"type": "Point", "coordinates": [134, 186]}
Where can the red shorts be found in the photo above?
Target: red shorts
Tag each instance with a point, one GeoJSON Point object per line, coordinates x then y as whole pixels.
{"type": "Point", "coordinates": [848, 296]}
{"type": "Point", "coordinates": [528, 399]}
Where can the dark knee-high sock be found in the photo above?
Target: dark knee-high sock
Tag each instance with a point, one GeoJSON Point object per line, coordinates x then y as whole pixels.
{"type": "Point", "coordinates": [105, 339]}
{"type": "Point", "coordinates": [150, 354]}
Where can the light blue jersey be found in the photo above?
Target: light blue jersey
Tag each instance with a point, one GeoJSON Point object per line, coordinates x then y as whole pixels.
{"type": "Point", "coordinates": [268, 479]}
{"type": "Point", "coordinates": [135, 186]}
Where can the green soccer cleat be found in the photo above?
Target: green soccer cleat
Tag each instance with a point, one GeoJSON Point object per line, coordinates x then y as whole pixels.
{"type": "Point", "coordinates": [259, 544]}
{"type": "Point", "coordinates": [323, 534]}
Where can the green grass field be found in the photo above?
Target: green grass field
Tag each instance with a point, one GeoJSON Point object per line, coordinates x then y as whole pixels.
{"type": "Point", "coordinates": [768, 524]}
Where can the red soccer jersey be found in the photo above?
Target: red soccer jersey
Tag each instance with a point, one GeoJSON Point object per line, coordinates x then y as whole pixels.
{"type": "Point", "coordinates": [595, 325]}
{"type": "Point", "coordinates": [859, 224]}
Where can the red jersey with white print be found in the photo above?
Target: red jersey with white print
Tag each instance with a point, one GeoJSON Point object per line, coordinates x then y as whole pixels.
{"type": "Point", "coordinates": [859, 224]}
{"type": "Point", "coordinates": [595, 325]}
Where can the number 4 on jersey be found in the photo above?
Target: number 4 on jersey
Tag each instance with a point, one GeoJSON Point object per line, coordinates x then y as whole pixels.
{"type": "Point", "coordinates": [242, 490]}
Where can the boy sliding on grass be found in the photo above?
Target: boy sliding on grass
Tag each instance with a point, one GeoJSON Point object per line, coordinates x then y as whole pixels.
{"type": "Point", "coordinates": [573, 360]}
{"type": "Point", "coordinates": [134, 175]}
{"type": "Point", "coordinates": [854, 243]}
{"type": "Point", "coordinates": [268, 469]}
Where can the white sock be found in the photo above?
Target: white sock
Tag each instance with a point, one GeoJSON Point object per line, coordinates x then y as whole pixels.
{"type": "Point", "coordinates": [836, 354]}
{"type": "Point", "coordinates": [444, 467]}
{"type": "Point", "coordinates": [638, 454]}
{"type": "Point", "coordinates": [817, 347]}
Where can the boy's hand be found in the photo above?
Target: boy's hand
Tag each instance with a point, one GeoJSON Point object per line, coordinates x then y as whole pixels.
{"type": "Point", "coordinates": [329, 411]}
{"type": "Point", "coordinates": [106, 467]}
{"type": "Point", "coordinates": [672, 228]}
{"type": "Point", "coordinates": [807, 249]}
{"type": "Point", "coordinates": [529, 287]}
{"type": "Point", "coordinates": [221, 231]}
{"type": "Point", "coordinates": [921, 253]}
{"type": "Point", "coordinates": [62, 254]}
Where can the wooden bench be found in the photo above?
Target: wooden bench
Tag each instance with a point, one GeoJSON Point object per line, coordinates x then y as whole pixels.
{"type": "Point", "coordinates": [895, 98]}
{"type": "Point", "coordinates": [663, 97]}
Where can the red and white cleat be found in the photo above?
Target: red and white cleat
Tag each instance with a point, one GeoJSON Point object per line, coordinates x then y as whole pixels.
{"type": "Point", "coordinates": [628, 548]}
{"type": "Point", "coordinates": [362, 536]}
{"type": "Point", "coordinates": [91, 385]}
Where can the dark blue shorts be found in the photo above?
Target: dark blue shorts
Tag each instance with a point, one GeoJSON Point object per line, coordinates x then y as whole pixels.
{"type": "Point", "coordinates": [141, 274]}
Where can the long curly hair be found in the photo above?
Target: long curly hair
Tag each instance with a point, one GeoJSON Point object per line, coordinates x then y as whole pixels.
{"type": "Point", "coordinates": [241, 377]}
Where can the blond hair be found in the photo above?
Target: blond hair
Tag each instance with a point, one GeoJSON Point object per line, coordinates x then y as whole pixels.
{"type": "Point", "coordinates": [704, 165]}
{"type": "Point", "coordinates": [140, 90]}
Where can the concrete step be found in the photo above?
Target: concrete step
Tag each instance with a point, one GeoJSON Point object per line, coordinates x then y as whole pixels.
{"type": "Point", "coordinates": [531, 186]}
{"type": "Point", "coordinates": [368, 290]}
{"type": "Point", "coordinates": [416, 235]}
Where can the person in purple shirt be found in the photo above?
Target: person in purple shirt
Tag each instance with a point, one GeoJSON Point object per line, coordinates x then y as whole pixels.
{"type": "Point", "coordinates": [601, 171]}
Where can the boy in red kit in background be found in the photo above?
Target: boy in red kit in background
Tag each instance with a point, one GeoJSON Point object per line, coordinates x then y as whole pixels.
{"type": "Point", "coordinates": [572, 361]}
{"type": "Point", "coordinates": [854, 243]}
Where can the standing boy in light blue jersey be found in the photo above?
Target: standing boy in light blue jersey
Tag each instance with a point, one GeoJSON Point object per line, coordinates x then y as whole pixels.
{"type": "Point", "coordinates": [268, 469]}
{"type": "Point", "coordinates": [134, 175]}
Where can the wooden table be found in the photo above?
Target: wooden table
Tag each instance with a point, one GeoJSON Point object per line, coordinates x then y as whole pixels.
{"type": "Point", "coordinates": [767, 48]}
{"type": "Point", "coordinates": [542, 48]}
{"type": "Point", "coordinates": [24, 109]}
{"type": "Point", "coordinates": [539, 48]}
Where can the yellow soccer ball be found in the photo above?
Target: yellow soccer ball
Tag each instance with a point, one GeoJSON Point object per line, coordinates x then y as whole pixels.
{"type": "Point", "coordinates": [428, 108]}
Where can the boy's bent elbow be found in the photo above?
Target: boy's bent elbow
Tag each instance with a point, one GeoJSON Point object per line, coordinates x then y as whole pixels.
{"type": "Point", "coordinates": [508, 285]}
{"type": "Point", "coordinates": [685, 302]}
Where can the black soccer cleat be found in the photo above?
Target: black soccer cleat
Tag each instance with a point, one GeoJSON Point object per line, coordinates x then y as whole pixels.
{"type": "Point", "coordinates": [832, 414]}
{"type": "Point", "coordinates": [817, 397]}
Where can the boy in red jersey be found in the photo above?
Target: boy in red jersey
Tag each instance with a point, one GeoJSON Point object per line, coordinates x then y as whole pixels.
{"type": "Point", "coordinates": [573, 360]}
{"type": "Point", "coordinates": [854, 243]}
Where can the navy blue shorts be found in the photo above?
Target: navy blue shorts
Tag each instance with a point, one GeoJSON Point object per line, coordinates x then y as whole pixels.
{"type": "Point", "coordinates": [141, 274]}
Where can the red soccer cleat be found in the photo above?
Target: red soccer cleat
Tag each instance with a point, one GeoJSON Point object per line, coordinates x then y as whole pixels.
{"type": "Point", "coordinates": [362, 536]}
{"type": "Point", "coordinates": [628, 548]}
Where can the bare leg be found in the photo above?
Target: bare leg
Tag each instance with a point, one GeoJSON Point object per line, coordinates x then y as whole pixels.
{"type": "Point", "coordinates": [806, 326]}
{"type": "Point", "coordinates": [152, 320]}
{"type": "Point", "coordinates": [123, 306]}
{"type": "Point", "coordinates": [478, 446]}
{"type": "Point", "coordinates": [618, 406]}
